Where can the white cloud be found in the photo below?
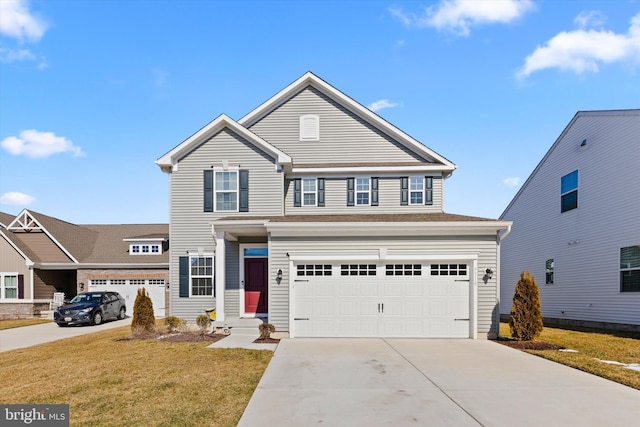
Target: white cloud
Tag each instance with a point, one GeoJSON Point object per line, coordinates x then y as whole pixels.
{"type": "Point", "coordinates": [511, 182]}
{"type": "Point", "coordinates": [585, 50]}
{"type": "Point", "coordinates": [15, 198]}
{"type": "Point", "coordinates": [381, 104]}
{"type": "Point", "coordinates": [458, 16]}
{"type": "Point", "coordinates": [33, 143]}
{"type": "Point", "coordinates": [18, 22]}
{"type": "Point", "coordinates": [591, 18]}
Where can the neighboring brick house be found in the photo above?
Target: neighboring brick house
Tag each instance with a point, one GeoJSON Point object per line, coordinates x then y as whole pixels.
{"type": "Point", "coordinates": [41, 255]}
{"type": "Point", "coordinates": [314, 212]}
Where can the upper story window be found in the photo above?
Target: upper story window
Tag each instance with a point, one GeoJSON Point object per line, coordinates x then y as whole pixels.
{"type": "Point", "coordinates": [630, 269]}
{"type": "Point", "coordinates": [416, 190]}
{"type": "Point", "coordinates": [363, 191]}
{"type": "Point", "coordinates": [145, 248]}
{"type": "Point", "coordinates": [225, 191]}
{"type": "Point", "coordinates": [309, 127]}
{"type": "Point", "coordinates": [309, 191]}
{"type": "Point", "coordinates": [569, 191]}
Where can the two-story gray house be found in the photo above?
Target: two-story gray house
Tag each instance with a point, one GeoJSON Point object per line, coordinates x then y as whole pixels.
{"type": "Point", "coordinates": [316, 213]}
{"type": "Point", "coordinates": [576, 224]}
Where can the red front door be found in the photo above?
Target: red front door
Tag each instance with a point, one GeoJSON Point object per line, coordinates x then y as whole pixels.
{"type": "Point", "coordinates": [255, 285]}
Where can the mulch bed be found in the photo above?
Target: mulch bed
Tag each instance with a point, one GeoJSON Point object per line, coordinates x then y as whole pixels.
{"type": "Point", "coordinates": [527, 345]}
{"type": "Point", "coordinates": [177, 337]}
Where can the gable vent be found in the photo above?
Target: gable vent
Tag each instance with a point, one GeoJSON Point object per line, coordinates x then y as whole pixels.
{"type": "Point", "coordinates": [309, 127]}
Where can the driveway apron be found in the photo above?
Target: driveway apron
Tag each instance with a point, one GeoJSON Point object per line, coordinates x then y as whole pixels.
{"type": "Point", "coordinates": [395, 382]}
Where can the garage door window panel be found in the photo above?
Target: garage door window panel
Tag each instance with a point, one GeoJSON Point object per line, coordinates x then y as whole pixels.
{"type": "Point", "coordinates": [403, 269]}
{"type": "Point", "coordinates": [358, 270]}
{"type": "Point", "coordinates": [314, 270]}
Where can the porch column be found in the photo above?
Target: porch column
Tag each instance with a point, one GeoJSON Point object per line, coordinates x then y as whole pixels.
{"type": "Point", "coordinates": [220, 274]}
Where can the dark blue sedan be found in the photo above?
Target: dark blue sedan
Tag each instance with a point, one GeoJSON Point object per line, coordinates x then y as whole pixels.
{"type": "Point", "coordinates": [91, 308]}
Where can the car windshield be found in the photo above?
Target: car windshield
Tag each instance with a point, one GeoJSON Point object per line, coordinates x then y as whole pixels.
{"type": "Point", "coordinates": [85, 298]}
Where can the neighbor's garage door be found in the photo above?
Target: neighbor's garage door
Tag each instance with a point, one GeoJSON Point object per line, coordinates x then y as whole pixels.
{"type": "Point", "coordinates": [128, 288]}
{"type": "Point", "coordinates": [373, 300]}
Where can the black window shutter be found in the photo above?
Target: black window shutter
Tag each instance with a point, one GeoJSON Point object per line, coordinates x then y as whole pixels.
{"type": "Point", "coordinates": [374, 191]}
{"type": "Point", "coordinates": [20, 286]}
{"type": "Point", "coordinates": [208, 191]}
{"type": "Point", "coordinates": [244, 191]}
{"type": "Point", "coordinates": [183, 275]}
{"type": "Point", "coordinates": [297, 192]}
{"type": "Point", "coordinates": [404, 190]}
{"type": "Point", "coordinates": [428, 194]}
{"type": "Point", "coordinates": [350, 191]}
{"type": "Point", "coordinates": [321, 192]}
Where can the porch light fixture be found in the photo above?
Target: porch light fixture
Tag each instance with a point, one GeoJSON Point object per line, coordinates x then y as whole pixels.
{"type": "Point", "coordinates": [279, 275]}
{"type": "Point", "coordinates": [488, 274]}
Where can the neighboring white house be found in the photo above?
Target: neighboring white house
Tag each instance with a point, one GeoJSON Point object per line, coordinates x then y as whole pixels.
{"type": "Point", "coordinates": [313, 211]}
{"type": "Point", "coordinates": [576, 224]}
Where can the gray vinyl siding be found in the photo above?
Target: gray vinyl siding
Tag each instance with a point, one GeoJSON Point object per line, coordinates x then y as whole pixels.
{"type": "Point", "coordinates": [388, 196]}
{"type": "Point", "coordinates": [484, 246]}
{"type": "Point", "coordinates": [344, 137]}
{"type": "Point", "coordinates": [190, 226]}
{"type": "Point", "coordinates": [584, 242]}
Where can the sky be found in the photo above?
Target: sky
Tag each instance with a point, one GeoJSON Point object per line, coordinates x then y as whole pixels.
{"type": "Point", "coordinates": [93, 92]}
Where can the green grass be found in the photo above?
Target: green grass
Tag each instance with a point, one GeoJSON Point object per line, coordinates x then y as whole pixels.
{"type": "Point", "coordinates": [17, 323]}
{"type": "Point", "coordinates": [592, 344]}
{"type": "Point", "coordinates": [110, 381]}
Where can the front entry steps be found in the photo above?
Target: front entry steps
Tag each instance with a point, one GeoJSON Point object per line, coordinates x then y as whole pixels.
{"type": "Point", "coordinates": [242, 325]}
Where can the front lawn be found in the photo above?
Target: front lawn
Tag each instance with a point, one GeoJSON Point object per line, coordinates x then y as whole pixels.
{"type": "Point", "coordinates": [17, 323]}
{"type": "Point", "coordinates": [110, 381]}
{"type": "Point", "coordinates": [592, 344]}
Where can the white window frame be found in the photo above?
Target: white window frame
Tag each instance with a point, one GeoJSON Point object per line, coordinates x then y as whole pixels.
{"type": "Point", "coordinates": [235, 191]}
{"type": "Point", "coordinates": [304, 192]}
{"type": "Point", "coordinates": [201, 276]}
{"type": "Point", "coordinates": [135, 249]}
{"type": "Point", "coordinates": [421, 191]}
{"type": "Point", "coordinates": [358, 191]}
{"type": "Point", "coordinates": [310, 127]}
{"type": "Point", "coordinates": [3, 288]}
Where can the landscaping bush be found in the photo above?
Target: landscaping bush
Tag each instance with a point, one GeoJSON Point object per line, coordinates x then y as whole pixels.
{"type": "Point", "coordinates": [203, 322]}
{"type": "Point", "coordinates": [143, 317]}
{"type": "Point", "coordinates": [174, 323]}
{"type": "Point", "coordinates": [525, 321]}
{"type": "Point", "coordinates": [266, 329]}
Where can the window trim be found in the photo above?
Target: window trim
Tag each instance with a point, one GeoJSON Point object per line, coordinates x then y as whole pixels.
{"type": "Point", "coordinates": [627, 269]}
{"type": "Point", "coordinates": [204, 276]}
{"type": "Point", "coordinates": [357, 191]}
{"type": "Point", "coordinates": [3, 289]}
{"type": "Point", "coordinates": [571, 191]}
{"type": "Point", "coordinates": [235, 171]}
{"type": "Point", "coordinates": [304, 192]}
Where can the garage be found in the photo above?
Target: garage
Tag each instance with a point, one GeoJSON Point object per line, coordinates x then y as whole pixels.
{"type": "Point", "coordinates": [391, 299]}
{"type": "Point", "coordinates": [128, 288]}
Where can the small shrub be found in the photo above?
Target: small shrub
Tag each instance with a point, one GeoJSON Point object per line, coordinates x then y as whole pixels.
{"type": "Point", "coordinates": [174, 323]}
{"type": "Point", "coordinates": [525, 321]}
{"type": "Point", "coordinates": [202, 321]}
{"type": "Point", "coordinates": [143, 316]}
{"type": "Point", "coordinates": [266, 329]}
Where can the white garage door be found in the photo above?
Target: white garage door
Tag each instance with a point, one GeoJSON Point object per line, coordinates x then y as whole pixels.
{"type": "Point", "coordinates": [128, 288]}
{"type": "Point", "coordinates": [388, 300]}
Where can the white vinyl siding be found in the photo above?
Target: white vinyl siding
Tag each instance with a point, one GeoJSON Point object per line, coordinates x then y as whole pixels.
{"type": "Point", "coordinates": [585, 242]}
{"type": "Point", "coordinates": [344, 138]}
{"type": "Point", "coordinates": [388, 198]}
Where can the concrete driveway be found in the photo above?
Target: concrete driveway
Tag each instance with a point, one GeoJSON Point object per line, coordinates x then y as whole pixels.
{"type": "Point", "coordinates": [397, 382]}
{"type": "Point", "coordinates": [11, 339]}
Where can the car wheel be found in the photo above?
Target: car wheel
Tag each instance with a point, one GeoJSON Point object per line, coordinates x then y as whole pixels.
{"type": "Point", "coordinates": [97, 318]}
{"type": "Point", "coordinates": [123, 313]}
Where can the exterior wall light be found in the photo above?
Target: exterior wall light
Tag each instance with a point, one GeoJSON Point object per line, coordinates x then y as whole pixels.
{"type": "Point", "coordinates": [488, 274]}
{"type": "Point", "coordinates": [279, 275]}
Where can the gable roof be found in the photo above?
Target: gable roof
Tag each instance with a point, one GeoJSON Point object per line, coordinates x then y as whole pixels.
{"type": "Point", "coordinates": [45, 239]}
{"type": "Point", "coordinates": [578, 115]}
{"type": "Point", "coordinates": [171, 158]}
{"type": "Point", "coordinates": [310, 79]}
